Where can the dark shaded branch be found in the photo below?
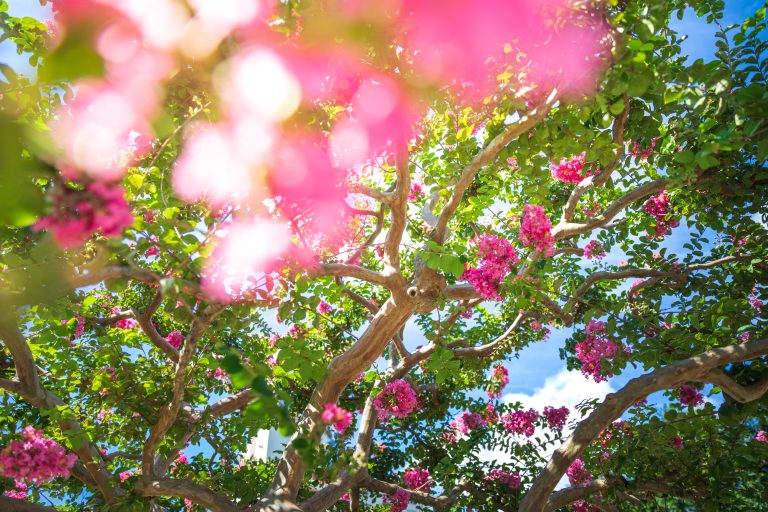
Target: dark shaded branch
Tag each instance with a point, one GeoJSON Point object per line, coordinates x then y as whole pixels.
{"type": "Point", "coordinates": [187, 489]}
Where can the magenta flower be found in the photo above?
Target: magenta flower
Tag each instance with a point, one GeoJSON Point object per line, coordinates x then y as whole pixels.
{"type": "Point", "coordinates": [339, 417]}
{"type": "Point", "coordinates": [35, 458]}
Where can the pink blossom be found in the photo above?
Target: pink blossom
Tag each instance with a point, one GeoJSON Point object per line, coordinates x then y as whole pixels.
{"type": "Point", "coordinates": [467, 421]}
{"type": "Point", "coordinates": [540, 330]}
{"type": "Point", "coordinates": [497, 256]}
{"type": "Point", "coordinates": [35, 458]}
{"type": "Point", "coordinates": [181, 458]}
{"type": "Point", "coordinates": [571, 170]}
{"type": "Point", "coordinates": [556, 417]}
{"type": "Point", "coordinates": [689, 395]}
{"type": "Point", "coordinates": [677, 442]}
{"type": "Point", "coordinates": [125, 475]}
{"type": "Point", "coordinates": [152, 251]}
{"type": "Point", "coordinates": [19, 493]}
{"type": "Point", "coordinates": [658, 207]}
{"type": "Point", "coordinates": [520, 422]}
{"type": "Point", "coordinates": [221, 376]}
{"type": "Point", "coordinates": [78, 214]}
{"type": "Point", "coordinates": [339, 417]}
{"type": "Point", "coordinates": [418, 479]}
{"type": "Point", "coordinates": [175, 339]}
{"type": "Point", "coordinates": [324, 308]}
{"type": "Point", "coordinates": [80, 327]}
{"type": "Point", "coordinates": [578, 474]}
{"type": "Point", "coordinates": [640, 153]}
{"type": "Point", "coordinates": [398, 500]}
{"type": "Point", "coordinates": [594, 249]}
{"type": "Point", "coordinates": [416, 192]}
{"type": "Point", "coordinates": [756, 303]}
{"type": "Point", "coordinates": [511, 480]}
{"type": "Point", "coordinates": [535, 230]}
{"type": "Point", "coordinates": [761, 436]}
{"type": "Point", "coordinates": [595, 349]}
{"type": "Point", "coordinates": [126, 324]}
{"type": "Point", "coordinates": [397, 399]}
{"type": "Point", "coordinates": [499, 380]}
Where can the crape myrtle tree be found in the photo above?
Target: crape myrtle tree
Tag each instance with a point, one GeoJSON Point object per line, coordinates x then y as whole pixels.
{"type": "Point", "coordinates": [218, 217]}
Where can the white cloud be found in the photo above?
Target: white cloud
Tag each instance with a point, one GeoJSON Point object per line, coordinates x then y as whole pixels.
{"type": "Point", "coordinates": [567, 388]}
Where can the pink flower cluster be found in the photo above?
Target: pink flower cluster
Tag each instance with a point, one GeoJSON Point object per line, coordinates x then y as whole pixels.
{"type": "Point", "coordinates": [499, 380]}
{"type": "Point", "coordinates": [338, 416]}
{"type": "Point", "coordinates": [78, 214]}
{"type": "Point", "coordinates": [756, 303]}
{"type": "Point", "coordinates": [540, 330]}
{"type": "Point", "coordinates": [467, 421]}
{"type": "Point", "coordinates": [19, 493]}
{"type": "Point", "coordinates": [571, 170]}
{"type": "Point", "coordinates": [536, 230]}
{"type": "Point", "coordinates": [416, 192]}
{"type": "Point", "coordinates": [520, 422]}
{"type": "Point", "coordinates": [658, 206]}
{"type": "Point", "coordinates": [677, 442]}
{"type": "Point", "coordinates": [497, 256]}
{"type": "Point", "coordinates": [762, 436]}
{"type": "Point", "coordinates": [639, 152]}
{"type": "Point", "coordinates": [511, 480]}
{"type": "Point", "coordinates": [36, 458]}
{"type": "Point", "coordinates": [689, 395]}
{"type": "Point", "coordinates": [594, 249]}
{"type": "Point", "coordinates": [594, 349]}
{"type": "Point", "coordinates": [578, 474]}
{"type": "Point", "coordinates": [555, 417]}
{"type": "Point", "coordinates": [324, 308]}
{"type": "Point", "coordinates": [398, 500]}
{"type": "Point", "coordinates": [175, 339]}
{"type": "Point", "coordinates": [397, 399]}
{"type": "Point", "coordinates": [418, 479]}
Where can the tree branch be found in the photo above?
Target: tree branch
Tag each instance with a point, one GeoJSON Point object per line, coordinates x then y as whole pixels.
{"type": "Point", "coordinates": [485, 156]}
{"type": "Point", "coordinates": [14, 505]}
{"type": "Point", "coordinates": [187, 489]}
{"type": "Point", "coordinates": [695, 368]}
{"type": "Point", "coordinates": [741, 394]}
{"type": "Point", "coordinates": [348, 270]}
{"type": "Point", "coordinates": [566, 229]}
{"type": "Point", "coordinates": [169, 412]}
{"type": "Point", "coordinates": [379, 195]}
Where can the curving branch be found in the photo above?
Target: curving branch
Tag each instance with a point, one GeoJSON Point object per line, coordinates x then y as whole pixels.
{"type": "Point", "coordinates": [441, 502]}
{"type": "Point", "coordinates": [169, 412]}
{"type": "Point", "coordinates": [378, 195]}
{"type": "Point", "coordinates": [488, 348]}
{"type": "Point", "coordinates": [341, 371]}
{"type": "Point", "coordinates": [14, 505]}
{"type": "Point", "coordinates": [738, 392]}
{"type": "Point", "coordinates": [565, 229]}
{"type": "Point", "coordinates": [563, 497]}
{"type": "Point", "coordinates": [28, 386]}
{"type": "Point", "coordinates": [187, 489]}
{"type": "Point", "coordinates": [484, 157]}
{"type": "Point", "coordinates": [695, 368]}
{"type": "Point", "coordinates": [398, 217]}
